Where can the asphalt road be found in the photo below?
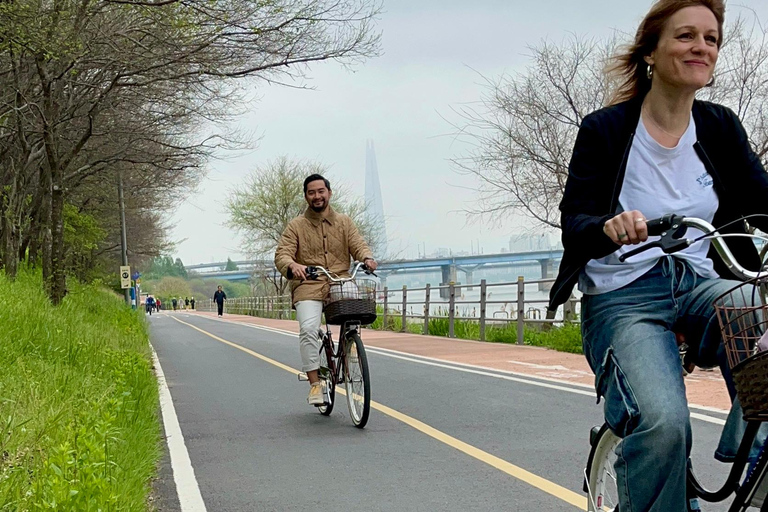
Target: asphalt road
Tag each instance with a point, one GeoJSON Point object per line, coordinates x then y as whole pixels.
{"type": "Point", "coordinates": [437, 439]}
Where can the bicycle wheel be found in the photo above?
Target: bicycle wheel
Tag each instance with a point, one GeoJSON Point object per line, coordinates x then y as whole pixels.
{"type": "Point", "coordinates": [357, 379]}
{"type": "Point", "coordinates": [326, 374]}
{"type": "Point", "coordinates": [602, 491]}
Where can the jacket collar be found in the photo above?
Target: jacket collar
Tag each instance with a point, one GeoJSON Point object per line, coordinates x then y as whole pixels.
{"type": "Point", "coordinates": [317, 218]}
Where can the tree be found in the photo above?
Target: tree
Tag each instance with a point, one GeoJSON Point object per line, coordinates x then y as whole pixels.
{"type": "Point", "coordinates": [522, 133]}
{"type": "Point", "coordinates": [92, 88]}
{"type": "Point", "coordinates": [168, 287]}
{"type": "Point", "coordinates": [272, 196]}
{"type": "Point", "coordinates": [230, 265]}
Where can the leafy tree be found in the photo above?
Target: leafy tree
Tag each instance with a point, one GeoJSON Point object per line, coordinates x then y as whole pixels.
{"type": "Point", "coordinates": [82, 236]}
{"type": "Point", "coordinates": [168, 287]}
{"type": "Point", "coordinates": [230, 266]}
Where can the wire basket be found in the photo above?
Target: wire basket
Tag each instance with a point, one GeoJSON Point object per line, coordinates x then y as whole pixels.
{"type": "Point", "coordinates": [742, 325]}
{"type": "Point", "coordinates": [351, 301]}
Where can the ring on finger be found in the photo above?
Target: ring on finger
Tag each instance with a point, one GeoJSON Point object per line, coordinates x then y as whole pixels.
{"type": "Point", "coordinates": [639, 219]}
{"type": "Point", "coordinates": [622, 236]}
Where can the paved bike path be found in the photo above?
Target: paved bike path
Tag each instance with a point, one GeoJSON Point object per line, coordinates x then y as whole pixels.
{"type": "Point", "coordinates": [256, 445]}
{"type": "Point", "coordinates": [704, 388]}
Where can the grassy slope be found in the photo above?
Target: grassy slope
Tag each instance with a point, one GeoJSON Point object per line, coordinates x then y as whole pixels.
{"type": "Point", "coordinates": [78, 401]}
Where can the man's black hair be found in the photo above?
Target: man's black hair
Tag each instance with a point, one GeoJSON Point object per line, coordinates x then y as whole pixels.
{"type": "Point", "coordinates": [315, 177]}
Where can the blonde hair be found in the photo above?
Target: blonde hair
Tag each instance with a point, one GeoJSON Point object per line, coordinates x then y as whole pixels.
{"type": "Point", "coordinates": [628, 68]}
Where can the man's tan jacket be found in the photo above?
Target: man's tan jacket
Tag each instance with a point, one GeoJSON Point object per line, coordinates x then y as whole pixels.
{"type": "Point", "coordinates": [328, 240]}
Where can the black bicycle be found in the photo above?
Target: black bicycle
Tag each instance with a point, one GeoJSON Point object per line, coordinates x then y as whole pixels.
{"type": "Point", "coordinates": [741, 327]}
{"type": "Point", "coordinates": [351, 304]}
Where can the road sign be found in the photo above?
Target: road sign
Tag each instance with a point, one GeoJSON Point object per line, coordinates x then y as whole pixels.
{"type": "Point", "coordinates": [136, 275]}
{"type": "Point", "coordinates": [125, 277]}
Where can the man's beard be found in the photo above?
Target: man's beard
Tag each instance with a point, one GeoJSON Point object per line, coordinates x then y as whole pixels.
{"type": "Point", "coordinates": [319, 209]}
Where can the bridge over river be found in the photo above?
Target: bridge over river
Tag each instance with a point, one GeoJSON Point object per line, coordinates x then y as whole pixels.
{"type": "Point", "coordinates": [450, 266]}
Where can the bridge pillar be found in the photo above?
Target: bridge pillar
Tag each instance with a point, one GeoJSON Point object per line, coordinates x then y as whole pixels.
{"type": "Point", "coordinates": [449, 276]}
{"type": "Point", "coordinates": [469, 272]}
{"type": "Point", "coordinates": [547, 272]}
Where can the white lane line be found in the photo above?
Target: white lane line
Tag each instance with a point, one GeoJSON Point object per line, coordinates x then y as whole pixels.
{"type": "Point", "coordinates": [187, 489]}
{"type": "Point", "coordinates": [493, 372]}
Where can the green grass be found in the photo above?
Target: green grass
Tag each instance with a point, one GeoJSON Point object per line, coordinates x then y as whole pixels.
{"type": "Point", "coordinates": [564, 339]}
{"type": "Point", "coordinates": [78, 401]}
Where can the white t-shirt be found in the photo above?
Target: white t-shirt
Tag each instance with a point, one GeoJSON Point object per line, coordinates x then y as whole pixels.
{"type": "Point", "coordinates": [658, 181]}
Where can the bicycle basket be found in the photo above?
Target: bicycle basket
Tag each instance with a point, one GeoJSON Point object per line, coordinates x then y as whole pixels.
{"type": "Point", "coordinates": [742, 324]}
{"type": "Point", "coordinates": [351, 301]}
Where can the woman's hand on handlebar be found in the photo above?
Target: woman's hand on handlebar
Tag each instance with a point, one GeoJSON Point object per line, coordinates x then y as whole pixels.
{"type": "Point", "coordinates": [627, 228]}
{"type": "Point", "coordinates": [299, 271]}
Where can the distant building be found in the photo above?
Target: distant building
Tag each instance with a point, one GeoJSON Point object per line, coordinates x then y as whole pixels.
{"type": "Point", "coordinates": [373, 199]}
{"type": "Point", "coordinates": [534, 242]}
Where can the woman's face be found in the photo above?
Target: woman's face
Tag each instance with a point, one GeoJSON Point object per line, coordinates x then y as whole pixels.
{"type": "Point", "coordinates": [687, 52]}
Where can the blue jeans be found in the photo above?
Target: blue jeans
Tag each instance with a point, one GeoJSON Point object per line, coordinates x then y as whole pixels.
{"type": "Point", "coordinates": [629, 341]}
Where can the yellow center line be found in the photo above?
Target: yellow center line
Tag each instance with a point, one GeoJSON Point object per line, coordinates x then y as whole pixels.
{"type": "Point", "coordinates": [558, 491]}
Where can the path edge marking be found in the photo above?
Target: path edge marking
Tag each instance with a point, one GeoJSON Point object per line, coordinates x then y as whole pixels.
{"type": "Point", "coordinates": [187, 489]}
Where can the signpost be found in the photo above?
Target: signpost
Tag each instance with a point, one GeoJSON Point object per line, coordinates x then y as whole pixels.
{"type": "Point", "coordinates": [125, 277]}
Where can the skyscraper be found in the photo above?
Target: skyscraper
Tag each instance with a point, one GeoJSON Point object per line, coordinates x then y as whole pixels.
{"type": "Point", "coordinates": [375, 205]}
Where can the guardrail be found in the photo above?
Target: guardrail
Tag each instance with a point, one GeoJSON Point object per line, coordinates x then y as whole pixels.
{"type": "Point", "coordinates": [526, 310]}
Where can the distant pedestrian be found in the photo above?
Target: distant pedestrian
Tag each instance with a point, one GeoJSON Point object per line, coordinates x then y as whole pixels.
{"type": "Point", "coordinates": [150, 304]}
{"type": "Point", "coordinates": [158, 304]}
{"type": "Point", "coordinates": [186, 302]}
{"type": "Point", "coordinates": [174, 303]}
{"type": "Point", "coordinates": [192, 303]}
{"type": "Point", "coordinates": [219, 297]}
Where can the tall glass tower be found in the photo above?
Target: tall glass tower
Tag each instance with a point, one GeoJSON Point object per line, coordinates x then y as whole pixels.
{"type": "Point", "coordinates": [375, 205]}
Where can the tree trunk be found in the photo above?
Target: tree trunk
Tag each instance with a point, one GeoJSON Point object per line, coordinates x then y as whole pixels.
{"type": "Point", "coordinates": [57, 288]}
{"type": "Point", "coordinates": [45, 240]}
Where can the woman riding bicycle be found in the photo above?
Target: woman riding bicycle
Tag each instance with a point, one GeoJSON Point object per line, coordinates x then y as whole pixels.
{"type": "Point", "coordinates": [657, 150]}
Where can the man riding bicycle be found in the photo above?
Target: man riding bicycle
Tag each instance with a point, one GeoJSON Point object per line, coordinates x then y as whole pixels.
{"type": "Point", "coordinates": [319, 237]}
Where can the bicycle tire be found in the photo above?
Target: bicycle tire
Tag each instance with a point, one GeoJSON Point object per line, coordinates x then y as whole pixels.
{"type": "Point", "coordinates": [602, 492]}
{"type": "Point", "coordinates": [357, 380]}
{"type": "Point", "coordinates": [325, 373]}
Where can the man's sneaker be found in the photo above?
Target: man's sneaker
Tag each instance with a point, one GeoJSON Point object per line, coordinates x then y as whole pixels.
{"type": "Point", "coordinates": [352, 356]}
{"type": "Point", "coordinates": [316, 396]}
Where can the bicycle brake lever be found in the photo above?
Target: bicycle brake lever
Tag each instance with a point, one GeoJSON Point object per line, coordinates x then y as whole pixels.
{"type": "Point", "coordinates": [670, 242]}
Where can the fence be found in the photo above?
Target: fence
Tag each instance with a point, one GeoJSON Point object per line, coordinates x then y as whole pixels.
{"type": "Point", "coordinates": [527, 310]}
{"type": "Point", "coordinates": [266, 307]}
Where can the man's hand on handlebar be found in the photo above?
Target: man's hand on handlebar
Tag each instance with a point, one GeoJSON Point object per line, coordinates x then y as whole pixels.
{"type": "Point", "coordinates": [627, 228]}
{"type": "Point", "coordinates": [370, 264]}
{"type": "Point", "coordinates": [298, 271]}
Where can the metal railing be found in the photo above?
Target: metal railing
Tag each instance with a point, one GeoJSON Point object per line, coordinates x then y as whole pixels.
{"type": "Point", "coordinates": [525, 310]}
{"type": "Point", "coordinates": [279, 307]}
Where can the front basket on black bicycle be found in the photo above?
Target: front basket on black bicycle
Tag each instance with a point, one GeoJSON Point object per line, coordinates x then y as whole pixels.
{"type": "Point", "coordinates": [743, 320]}
{"type": "Point", "coordinates": [351, 301]}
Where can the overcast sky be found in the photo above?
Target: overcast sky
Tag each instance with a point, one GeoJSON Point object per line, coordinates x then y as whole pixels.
{"type": "Point", "coordinates": [433, 55]}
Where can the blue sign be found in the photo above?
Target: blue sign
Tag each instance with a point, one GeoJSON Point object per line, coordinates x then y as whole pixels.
{"type": "Point", "coordinates": [136, 275]}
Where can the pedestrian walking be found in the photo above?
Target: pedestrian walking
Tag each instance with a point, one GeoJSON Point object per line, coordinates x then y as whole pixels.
{"type": "Point", "coordinates": [174, 303]}
{"type": "Point", "coordinates": [192, 303]}
{"type": "Point", "coordinates": [219, 297]}
{"type": "Point", "coordinates": [186, 303]}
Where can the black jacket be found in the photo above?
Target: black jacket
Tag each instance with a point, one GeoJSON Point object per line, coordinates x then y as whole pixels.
{"type": "Point", "coordinates": [596, 174]}
{"type": "Point", "coordinates": [219, 296]}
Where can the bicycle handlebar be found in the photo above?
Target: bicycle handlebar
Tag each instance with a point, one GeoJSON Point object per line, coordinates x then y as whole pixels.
{"type": "Point", "coordinates": [313, 272]}
{"type": "Point", "coordinates": [671, 228]}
